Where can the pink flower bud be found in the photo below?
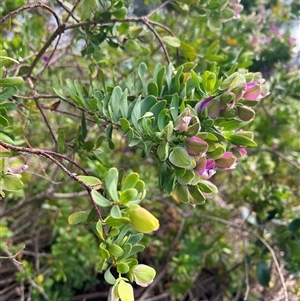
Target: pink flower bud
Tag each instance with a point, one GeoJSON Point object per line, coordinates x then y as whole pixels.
{"type": "Point", "coordinates": [227, 161]}
{"type": "Point", "coordinates": [196, 146]}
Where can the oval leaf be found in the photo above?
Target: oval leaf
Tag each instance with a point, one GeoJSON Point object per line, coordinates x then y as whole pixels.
{"type": "Point", "coordinates": [171, 41]}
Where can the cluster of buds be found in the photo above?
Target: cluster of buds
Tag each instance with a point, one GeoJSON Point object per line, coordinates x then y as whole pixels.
{"type": "Point", "coordinates": [198, 154]}
{"type": "Point", "coordinates": [238, 93]}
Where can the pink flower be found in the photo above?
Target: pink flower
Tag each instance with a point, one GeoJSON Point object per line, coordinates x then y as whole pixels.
{"type": "Point", "coordinates": [252, 91]}
{"type": "Point", "coordinates": [205, 168]}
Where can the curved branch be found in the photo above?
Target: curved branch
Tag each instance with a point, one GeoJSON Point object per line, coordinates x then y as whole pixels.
{"type": "Point", "coordinates": [48, 154]}
{"type": "Point", "coordinates": [158, 8]}
{"type": "Point", "coordinates": [147, 23]}
{"type": "Point", "coordinates": [31, 6]}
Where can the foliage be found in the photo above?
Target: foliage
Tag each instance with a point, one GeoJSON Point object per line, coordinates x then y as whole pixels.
{"type": "Point", "coordinates": [113, 127]}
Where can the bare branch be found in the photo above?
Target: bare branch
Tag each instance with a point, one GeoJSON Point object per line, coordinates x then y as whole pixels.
{"type": "Point", "coordinates": [158, 8]}
{"type": "Point", "coordinates": [31, 6]}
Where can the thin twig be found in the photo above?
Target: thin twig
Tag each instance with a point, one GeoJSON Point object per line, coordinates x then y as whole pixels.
{"type": "Point", "coordinates": [158, 8]}
{"type": "Point", "coordinates": [56, 33]}
{"type": "Point", "coordinates": [72, 11]}
{"type": "Point", "coordinates": [146, 22]}
{"type": "Point", "coordinates": [285, 158]}
{"type": "Point", "coordinates": [42, 112]}
{"type": "Point", "coordinates": [46, 154]}
{"type": "Point", "coordinates": [143, 20]}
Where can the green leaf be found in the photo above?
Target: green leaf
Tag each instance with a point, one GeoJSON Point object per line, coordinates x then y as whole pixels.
{"type": "Point", "coordinates": [125, 125]}
{"type": "Point", "coordinates": [11, 81]}
{"type": "Point", "coordinates": [197, 195]}
{"type": "Point", "coordinates": [132, 48]}
{"type": "Point", "coordinates": [180, 158]}
{"type": "Point", "coordinates": [229, 125]}
{"type": "Point", "coordinates": [7, 92]}
{"type": "Point", "coordinates": [174, 106]}
{"type": "Point", "coordinates": [136, 249]}
{"type": "Point", "coordinates": [156, 109]}
{"type": "Point", "coordinates": [122, 268]}
{"type": "Point", "coordinates": [3, 120]}
{"type": "Point", "coordinates": [61, 138]}
{"type": "Point", "coordinates": [214, 24]}
{"type": "Point", "coordinates": [11, 183]}
{"type": "Point", "coordinates": [120, 13]}
{"type": "Point", "coordinates": [163, 119]}
{"type": "Point", "coordinates": [263, 273]}
{"type": "Point", "coordinates": [108, 134]}
{"type": "Point", "coordinates": [111, 183]}
{"type": "Point", "coordinates": [130, 181]}
{"type": "Point", "coordinates": [115, 250]}
{"type": "Point", "coordinates": [93, 182]}
{"type": "Point", "coordinates": [115, 100]}
{"type": "Point", "coordinates": [163, 151]}
{"type": "Point", "coordinates": [104, 252]}
{"type": "Point", "coordinates": [124, 104]}
{"type": "Point", "coordinates": [128, 195]}
{"type": "Point", "coordinates": [78, 217]}
{"type": "Point", "coordinates": [125, 291]}
{"type": "Point", "coordinates": [135, 238]}
{"type": "Point", "coordinates": [240, 140]}
{"type": "Point", "coordinates": [152, 89]}
{"type": "Point", "coordinates": [99, 229]}
{"type": "Point", "coordinates": [147, 103]}
{"type": "Point", "coordinates": [171, 41]}
{"type": "Point", "coordinates": [207, 187]}
{"type": "Point", "coordinates": [6, 139]}
{"type": "Point", "coordinates": [59, 93]}
{"type": "Point", "coordinates": [115, 212]}
{"type": "Point", "coordinates": [116, 222]}
{"type": "Point", "coordinates": [136, 113]}
{"type": "Point", "coordinates": [109, 278]}
{"type": "Point", "coordinates": [99, 199]}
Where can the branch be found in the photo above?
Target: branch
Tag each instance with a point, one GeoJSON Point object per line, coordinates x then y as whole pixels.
{"type": "Point", "coordinates": [48, 154]}
{"type": "Point", "coordinates": [147, 23]}
{"type": "Point", "coordinates": [158, 8]}
{"type": "Point", "coordinates": [143, 20]}
{"type": "Point", "coordinates": [285, 158]}
{"type": "Point", "coordinates": [42, 112]}
{"type": "Point", "coordinates": [60, 29]}
{"type": "Point", "coordinates": [31, 6]}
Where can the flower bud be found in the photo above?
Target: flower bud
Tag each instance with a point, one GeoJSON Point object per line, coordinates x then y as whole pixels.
{"type": "Point", "coordinates": [142, 220]}
{"type": "Point", "coordinates": [228, 113]}
{"type": "Point", "coordinates": [252, 91]}
{"type": "Point", "coordinates": [227, 161]}
{"type": "Point", "coordinates": [182, 121]}
{"type": "Point", "coordinates": [239, 152]}
{"type": "Point", "coordinates": [211, 105]}
{"type": "Point", "coordinates": [238, 91]}
{"type": "Point", "coordinates": [228, 99]}
{"type": "Point", "coordinates": [196, 146]}
{"type": "Point", "coordinates": [17, 165]}
{"type": "Point", "coordinates": [245, 113]}
{"type": "Point", "coordinates": [232, 81]}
